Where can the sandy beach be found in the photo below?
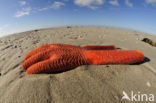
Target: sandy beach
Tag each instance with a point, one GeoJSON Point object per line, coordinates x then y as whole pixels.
{"type": "Point", "coordinates": [84, 84]}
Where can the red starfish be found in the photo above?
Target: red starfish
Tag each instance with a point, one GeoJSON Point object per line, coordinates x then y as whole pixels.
{"type": "Point", "coordinates": [63, 57]}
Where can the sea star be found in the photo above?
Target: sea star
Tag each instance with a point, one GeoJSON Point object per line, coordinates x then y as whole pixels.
{"type": "Point", "coordinates": [62, 57]}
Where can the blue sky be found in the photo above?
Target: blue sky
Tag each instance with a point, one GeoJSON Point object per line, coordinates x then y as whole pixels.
{"type": "Point", "coordinates": [23, 15]}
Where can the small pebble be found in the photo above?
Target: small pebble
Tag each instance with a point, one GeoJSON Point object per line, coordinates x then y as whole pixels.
{"type": "Point", "coordinates": [68, 26]}
{"type": "Point", "coordinates": [35, 30]}
{"type": "Point", "coordinates": [148, 84]}
{"type": "Point", "coordinates": [107, 65]}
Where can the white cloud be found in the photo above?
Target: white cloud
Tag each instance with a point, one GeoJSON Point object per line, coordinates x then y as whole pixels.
{"type": "Point", "coordinates": [43, 9]}
{"type": "Point", "coordinates": [55, 5]}
{"type": "Point", "coordinates": [66, 0]}
{"type": "Point", "coordinates": [150, 1]}
{"type": "Point", "coordinates": [89, 3]}
{"type": "Point", "coordinates": [4, 27]}
{"type": "Point", "coordinates": [22, 3]}
{"type": "Point", "coordinates": [75, 9]}
{"type": "Point", "coordinates": [24, 11]}
{"type": "Point", "coordinates": [114, 2]}
{"type": "Point", "coordinates": [128, 3]}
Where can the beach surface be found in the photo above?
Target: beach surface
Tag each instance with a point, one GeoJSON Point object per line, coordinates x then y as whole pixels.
{"type": "Point", "coordinates": [84, 84]}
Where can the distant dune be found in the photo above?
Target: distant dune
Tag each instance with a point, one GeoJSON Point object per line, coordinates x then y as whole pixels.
{"type": "Point", "coordinates": [85, 84]}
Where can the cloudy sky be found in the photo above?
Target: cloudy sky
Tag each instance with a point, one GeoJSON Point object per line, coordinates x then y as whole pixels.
{"type": "Point", "coordinates": [23, 15]}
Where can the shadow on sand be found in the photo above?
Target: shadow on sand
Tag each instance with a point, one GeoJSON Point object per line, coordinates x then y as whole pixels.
{"type": "Point", "coordinates": [146, 59]}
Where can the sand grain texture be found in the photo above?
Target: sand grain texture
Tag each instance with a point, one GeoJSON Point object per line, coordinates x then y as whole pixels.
{"type": "Point", "coordinates": [85, 84]}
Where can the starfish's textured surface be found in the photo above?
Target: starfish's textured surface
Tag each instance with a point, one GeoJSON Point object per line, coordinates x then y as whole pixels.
{"type": "Point", "coordinates": [63, 57]}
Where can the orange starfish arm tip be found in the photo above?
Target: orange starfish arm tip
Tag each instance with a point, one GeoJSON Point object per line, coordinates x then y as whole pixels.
{"type": "Point", "coordinates": [114, 56]}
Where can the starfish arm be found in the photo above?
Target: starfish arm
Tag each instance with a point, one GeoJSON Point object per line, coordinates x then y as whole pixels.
{"type": "Point", "coordinates": [39, 56]}
{"type": "Point", "coordinates": [40, 67]}
{"type": "Point", "coordinates": [37, 50]}
{"type": "Point", "coordinates": [47, 47]}
{"type": "Point", "coordinates": [55, 64]}
{"type": "Point", "coordinates": [114, 56]}
{"type": "Point", "coordinates": [98, 47]}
